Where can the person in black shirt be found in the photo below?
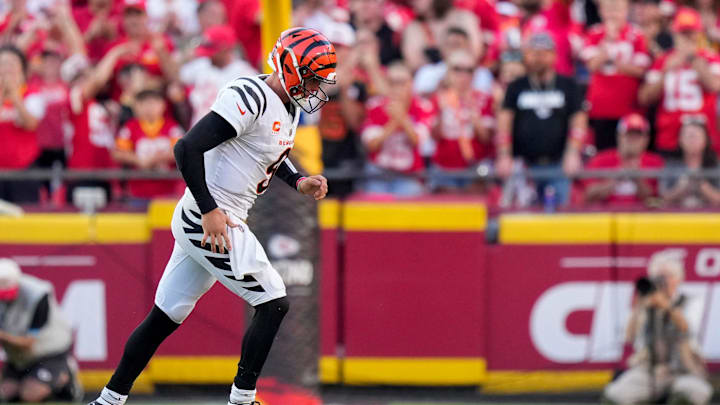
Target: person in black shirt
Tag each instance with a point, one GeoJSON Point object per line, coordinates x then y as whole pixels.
{"type": "Point", "coordinates": [542, 122]}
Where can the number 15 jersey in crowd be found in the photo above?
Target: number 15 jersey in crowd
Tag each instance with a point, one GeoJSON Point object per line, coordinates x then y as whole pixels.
{"type": "Point", "coordinates": [240, 169]}
{"type": "Point", "coordinates": [683, 95]}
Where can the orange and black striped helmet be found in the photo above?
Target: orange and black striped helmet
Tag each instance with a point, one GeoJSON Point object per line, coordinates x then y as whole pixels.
{"type": "Point", "coordinates": [305, 61]}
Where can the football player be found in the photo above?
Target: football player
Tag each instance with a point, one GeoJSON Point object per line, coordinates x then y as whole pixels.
{"type": "Point", "coordinates": [227, 159]}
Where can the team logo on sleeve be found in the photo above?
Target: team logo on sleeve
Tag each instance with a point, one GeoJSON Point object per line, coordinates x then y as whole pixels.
{"type": "Point", "coordinates": [276, 127]}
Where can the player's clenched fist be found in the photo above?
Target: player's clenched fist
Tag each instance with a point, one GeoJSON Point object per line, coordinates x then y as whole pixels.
{"type": "Point", "coordinates": [214, 224]}
{"type": "Point", "coordinates": [315, 186]}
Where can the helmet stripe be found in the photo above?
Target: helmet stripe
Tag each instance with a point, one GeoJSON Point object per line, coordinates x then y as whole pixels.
{"type": "Point", "coordinates": [301, 40]}
{"type": "Point", "coordinates": [318, 56]}
{"type": "Point", "coordinates": [328, 66]}
{"type": "Point", "coordinates": [311, 47]}
{"type": "Point", "coordinates": [292, 31]}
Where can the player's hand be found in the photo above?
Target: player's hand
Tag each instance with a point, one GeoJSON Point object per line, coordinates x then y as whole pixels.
{"type": "Point", "coordinates": [214, 224]}
{"type": "Point", "coordinates": [315, 186]}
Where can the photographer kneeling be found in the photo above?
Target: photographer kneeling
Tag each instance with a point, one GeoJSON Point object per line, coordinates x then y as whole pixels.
{"type": "Point", "coordinates": [665, 362]}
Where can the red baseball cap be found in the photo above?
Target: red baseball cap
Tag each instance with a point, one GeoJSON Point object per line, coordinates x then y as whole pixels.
{"type": "Point", "coordinates": [633, 122]}
{"type": "Point", "coordinates": [134, 4]}
{"type": "Point", "coordinates": [9, 279]}
{"type": "Point", "coordinates": [687, 19]}
{"type": "Point", "coordinates": [216, 39]}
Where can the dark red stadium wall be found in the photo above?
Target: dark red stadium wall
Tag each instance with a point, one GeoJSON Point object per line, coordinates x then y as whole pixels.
{"type": "Point", "coordinates": [123, 270]}
{"type": "Point", "coordinates": [412, 281]}
{"type": "Point", "coordinates": [565, 284]}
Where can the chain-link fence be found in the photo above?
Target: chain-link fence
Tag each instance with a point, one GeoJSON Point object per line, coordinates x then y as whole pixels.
{"type": "Point", "coordinates": [284, 222]}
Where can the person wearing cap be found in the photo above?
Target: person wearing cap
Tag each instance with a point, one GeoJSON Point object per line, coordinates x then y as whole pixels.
{"type": "Point", "coordinates": [342, 117]}
{"type": "Point", "coordinates": [688, 190]}
{"type": "Point", "coordinates": [616, 54]}
{"type": "Point", "coordinates": [683, 82]}
{"type": "Point", "coordinates": [660, 344]}
{"type": "Point", "coordinates": [218, 62]}
{"type": "Point", "coordinates": [36, 339]}
{"type": "Point", "coordinates": [542, 122]}
{"type": "Point", "coordinates": [631, 154]}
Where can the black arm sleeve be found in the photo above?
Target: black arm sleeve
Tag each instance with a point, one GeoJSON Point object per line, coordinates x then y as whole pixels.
{"type": "Point", "coordinates": [288, 173]}
{"type": "Point", "coordinates": [42, 311]}
{"type": "Point", "coordinates": [209, 132]}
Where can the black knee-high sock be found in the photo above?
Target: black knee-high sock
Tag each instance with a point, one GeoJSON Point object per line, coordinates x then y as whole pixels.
{"type": "Point", "coordinates": [258, 339]}
{"type": "Point", "coordinates": [140, 347]}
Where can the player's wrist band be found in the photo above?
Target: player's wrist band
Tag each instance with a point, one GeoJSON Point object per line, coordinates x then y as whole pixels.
{"type": "Point", "coordinates": [297, 183]}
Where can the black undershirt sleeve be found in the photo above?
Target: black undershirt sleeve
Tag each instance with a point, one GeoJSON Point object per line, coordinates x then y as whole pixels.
{"type": "Point", "coordinates": [209, 132]}
{"type": "Point", "coordinates": [42, 310]}
{"type": "Point", "coordinates": [288, 174]}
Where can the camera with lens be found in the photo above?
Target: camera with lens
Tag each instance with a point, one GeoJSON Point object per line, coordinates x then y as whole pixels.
{"type": "Point", "coordinates": [647, 286]}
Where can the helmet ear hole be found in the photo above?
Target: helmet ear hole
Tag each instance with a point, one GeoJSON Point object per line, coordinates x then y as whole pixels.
{"type": "Point", "coordinates": [304, 71]}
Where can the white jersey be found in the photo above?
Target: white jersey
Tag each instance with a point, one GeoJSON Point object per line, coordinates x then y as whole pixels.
{"type": "Point", "coordinates": [240, 169]}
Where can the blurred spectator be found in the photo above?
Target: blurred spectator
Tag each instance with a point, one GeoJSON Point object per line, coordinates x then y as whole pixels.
{"type": "Point", "coordinates": [343, 115]}
{"type": "Point", "coordinates": [368, 15]}
{"type": "Point", "coordinates": [650, 20]}
{"type": "Point", "coordinates": [94, 122]}
{"type": "Point", "coordinates": [154, 53]}
{"type": "Point", "coordinates": [463, 127]}
{"type": "Point", "coordinates": [20, 114]}
{"type": "Point", "coordinates": [217, 64]}
{"type": "Point", "coordinates": [54, 127]}
{"type": "Point", "coordinates": [422, 38]}
{"type": "Point", "coordinates": [146, 142]}
{"type": "Point", "coordinates": [710, 14]}
{"type": "Point", "coordinates": [554, 17]}
{"type": "Point", "coordinates": [211, 13]}
{"type": "Point", "coordinates": [245, 17]}
{"type": "Point", "coordinates": [684, 82]}
{"type": "Point", "coordinates": [487, 15]}
{"type": "Point", "coordinates": [367, 57]}
{"type": "Point", "coordinates": [98, 21]}
{"type": "Point", "coordinates": [394, 128]}
{"type": "Point", "coordinates": [131, 80]}
{"type": "Point", "coordinates": [541, 121]}
{"type": "Point", "coordinates": [178, 18]}
{"type": "Point", "coordinates": [665, 361]}
{"type": "Point", "coordinates": [428, 77]}
{"type": "Point", "coordinates": [616, 55]}
{"type": "Point", "coordinates": [511, 68]}
{"type": "Point", "coordinates": [319, 15]}
{"type": "Point", "coordinates": [631, 154]}
{"type": "Point", "coordinates": [690, 191]}
{"type": "Point", "coordinates": [36, 339]}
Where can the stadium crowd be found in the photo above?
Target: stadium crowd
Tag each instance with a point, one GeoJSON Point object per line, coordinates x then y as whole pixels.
{"type": "Point", "coordinates": [430, 91]}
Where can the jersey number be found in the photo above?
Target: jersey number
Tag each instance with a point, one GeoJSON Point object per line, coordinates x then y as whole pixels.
{"type": "Point", "coordinates": [682, 91]}
{"type": "Point", "coordinates": [263, 185]}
